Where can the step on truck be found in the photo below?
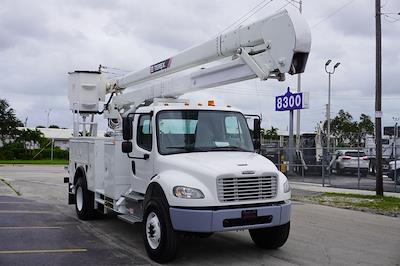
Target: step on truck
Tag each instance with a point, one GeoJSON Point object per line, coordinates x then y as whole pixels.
{"type": "Point", "coordinates": [178, 166]}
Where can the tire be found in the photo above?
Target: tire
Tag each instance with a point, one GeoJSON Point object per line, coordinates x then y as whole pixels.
{"type": "Point", "coordinates": [338, 170]}
{"type": "Point", "coordinates": [159, 237]}
{"type": "Point", "coordinates": [372, 168]}
{"type": "Point", "coordinates": [270, 237]}
{"type": "Point", "coordinates": [84, 201]}
{"type": "Point", "coordinates": [364, 173]}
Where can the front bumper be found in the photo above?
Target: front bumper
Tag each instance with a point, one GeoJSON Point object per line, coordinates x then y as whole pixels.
{"type": "Point", "coordinates": [209, 220]}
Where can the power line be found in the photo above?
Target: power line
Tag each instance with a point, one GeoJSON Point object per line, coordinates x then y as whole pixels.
{"type": "Point", "coordinates": [332, 14]}
{"type": "Point", "coordinates": [282, 7]}
{"type": "Point", "coordinates": [113, 68]}
{"type": "Point", "coordinates": [249, 13]}
{"type": "Point", "coordinates": [291, 3]}
{"type": "Point", "coordinates": [389, 18]}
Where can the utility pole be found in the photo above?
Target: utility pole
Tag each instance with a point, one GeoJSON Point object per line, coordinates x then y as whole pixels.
{"type": "Point", "coordinates": [378, 99]}
{"type": "Point", "coordinates": [291, 146]}
{"type": "Point", "coordinates": [298, 90]}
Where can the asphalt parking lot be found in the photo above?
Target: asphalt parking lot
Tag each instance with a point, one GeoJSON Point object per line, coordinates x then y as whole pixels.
{"type": "Point", "coordinates": [39, 228]}
{"type": "Point", "coordinates": [34, 233]}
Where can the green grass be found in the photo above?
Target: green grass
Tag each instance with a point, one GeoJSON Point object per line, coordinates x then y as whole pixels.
{"type": "Point", "coordinates": [54, 162]}
{"type": "Point", "coordinates": [360, 202]}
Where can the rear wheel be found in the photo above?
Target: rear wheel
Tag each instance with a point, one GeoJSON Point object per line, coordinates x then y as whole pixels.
{"type": "Point", "coordinates": [364, 173]}
{"type": "Point", "coordinates": [338, 170]}
{"type": "Point", "coordinates": [372, 167]}
{"type": "Point", "coordinates": [159, 237]}
{"type": "Point", "coordinates": [84, 201]}
{"type": "Point", "coordinates": [270, 237]}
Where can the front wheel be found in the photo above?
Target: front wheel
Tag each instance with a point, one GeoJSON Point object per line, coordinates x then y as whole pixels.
{"type": "Point", "coordinates": [270, 237]}
{"type": "Point", "coordinates": [159, 237]}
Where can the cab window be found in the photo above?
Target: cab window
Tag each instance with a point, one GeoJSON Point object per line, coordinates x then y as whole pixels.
{"type": "Point", "coordinates": [144, 133]}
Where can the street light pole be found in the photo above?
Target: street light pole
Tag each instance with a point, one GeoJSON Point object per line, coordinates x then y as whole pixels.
{"type": "Point", "coordinates": [328, 142]}
{"type": "Point", "coordinates": [328, 115]}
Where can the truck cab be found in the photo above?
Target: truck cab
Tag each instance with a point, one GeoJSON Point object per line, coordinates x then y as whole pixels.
{"type": "Point", "coordinates": [203, 160]}
{"type": "Point", "coordinates": [204, 148]}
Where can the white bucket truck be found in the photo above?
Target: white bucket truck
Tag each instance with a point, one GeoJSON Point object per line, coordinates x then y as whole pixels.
{"type": "Point", "coordinates": [182, 167]}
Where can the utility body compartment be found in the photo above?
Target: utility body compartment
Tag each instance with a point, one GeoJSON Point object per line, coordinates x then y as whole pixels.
{"type": "Point", "coordinates": [105, 167]}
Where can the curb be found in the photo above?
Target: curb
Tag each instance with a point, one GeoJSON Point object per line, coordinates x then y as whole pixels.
{"type": "Point", "coordinates": [319, 188]}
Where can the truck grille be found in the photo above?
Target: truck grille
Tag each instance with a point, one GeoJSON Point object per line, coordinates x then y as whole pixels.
{"type": "Point", "coordinates": [246, 188]}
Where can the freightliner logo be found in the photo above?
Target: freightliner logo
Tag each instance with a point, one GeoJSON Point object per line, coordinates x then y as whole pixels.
{"type": "Point", "coordinates": [160, 66]}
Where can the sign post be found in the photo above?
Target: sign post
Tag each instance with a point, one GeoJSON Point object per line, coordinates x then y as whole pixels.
{"type": "Point", "coordinates": [290, 102]}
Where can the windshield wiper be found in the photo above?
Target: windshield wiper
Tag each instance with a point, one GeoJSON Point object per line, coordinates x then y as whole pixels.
{"type": "Point", "coordinates": [227, 148]}
{"type": "Point", "coordinates": [192, 149]}
{"type": "Point", "coordinates": [179, 148]}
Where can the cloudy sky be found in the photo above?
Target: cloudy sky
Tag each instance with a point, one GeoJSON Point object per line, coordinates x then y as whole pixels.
{"type": "Point", "coordinates": [40, 41]}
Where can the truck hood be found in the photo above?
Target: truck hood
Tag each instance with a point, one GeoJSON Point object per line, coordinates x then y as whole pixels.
{"type": "Point", "coordinates": [218, 163]}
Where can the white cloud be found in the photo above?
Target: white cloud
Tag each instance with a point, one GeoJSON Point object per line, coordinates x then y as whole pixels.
{"type": "Point", "coordinates": [41, 41]}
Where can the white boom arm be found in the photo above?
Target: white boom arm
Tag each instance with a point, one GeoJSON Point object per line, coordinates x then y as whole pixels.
{"type": "Point", "coordinates": [283, 35]}
{"type": "Point", "coordinates": [268, 48]}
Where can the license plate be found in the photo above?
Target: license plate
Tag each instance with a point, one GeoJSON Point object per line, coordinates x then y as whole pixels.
{"type": "Point", "coordinates": [249, 214]}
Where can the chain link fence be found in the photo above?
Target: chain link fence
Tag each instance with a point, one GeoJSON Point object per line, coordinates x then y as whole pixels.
{"type": "Point", "coordinates": [341, 167]}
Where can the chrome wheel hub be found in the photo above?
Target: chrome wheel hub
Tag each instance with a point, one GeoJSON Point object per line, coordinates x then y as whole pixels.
{"type": "Point", "coordinates": [79, 198]}
{"type": "Point", "coordinates": [153, 230]}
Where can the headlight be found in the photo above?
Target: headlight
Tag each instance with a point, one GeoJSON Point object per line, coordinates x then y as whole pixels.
{"type": "Point", "coordinates": [286, 187]}
{"type": "Point", "coordinates": [187, 193]}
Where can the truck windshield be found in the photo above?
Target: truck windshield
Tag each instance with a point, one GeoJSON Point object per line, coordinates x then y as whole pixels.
{"type": "Point", "coordinates": [198, 131]}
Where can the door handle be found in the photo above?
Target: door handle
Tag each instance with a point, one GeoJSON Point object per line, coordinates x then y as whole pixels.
{"type": "Point", "coordinates": [133, 165]}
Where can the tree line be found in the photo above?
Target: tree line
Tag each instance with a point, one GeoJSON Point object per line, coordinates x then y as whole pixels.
{"type": "Point", "coordinates": [16, 144]}
{"type": "Point", "coordinates": [347, 131]}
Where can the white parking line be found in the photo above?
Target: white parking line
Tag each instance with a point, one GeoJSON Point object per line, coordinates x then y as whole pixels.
{"type": "Point", "coordinates": [18, 202]}
{"type": "Point", "coordinates": [27, 212]}
{"type": "Point", "coordinates": [29, 227]}
{"type": "Point", "coordinates": [43, 251]}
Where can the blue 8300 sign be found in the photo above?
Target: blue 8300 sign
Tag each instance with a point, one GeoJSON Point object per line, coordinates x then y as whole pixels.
{"type": "Point", "coordinates": [291, 101]}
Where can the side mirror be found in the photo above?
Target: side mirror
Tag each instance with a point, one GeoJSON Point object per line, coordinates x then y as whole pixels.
{"type": "Point", "coordinates": [257, 134]}
{"type": "Point", "coordinates": [126, 147]}
{"type": "Point", "coordinates": [127, 128]}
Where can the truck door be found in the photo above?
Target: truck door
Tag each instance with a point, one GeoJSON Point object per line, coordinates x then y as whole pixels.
{"type": "Point", "coordinates": [143, 168]}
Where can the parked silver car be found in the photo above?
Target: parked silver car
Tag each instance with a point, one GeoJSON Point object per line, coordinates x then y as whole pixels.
{"type": "Point", "coordinates": [349, 161]}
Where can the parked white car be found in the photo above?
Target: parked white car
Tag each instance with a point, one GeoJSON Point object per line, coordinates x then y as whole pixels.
{"type": "Point", "coordinates": [349, 161]}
